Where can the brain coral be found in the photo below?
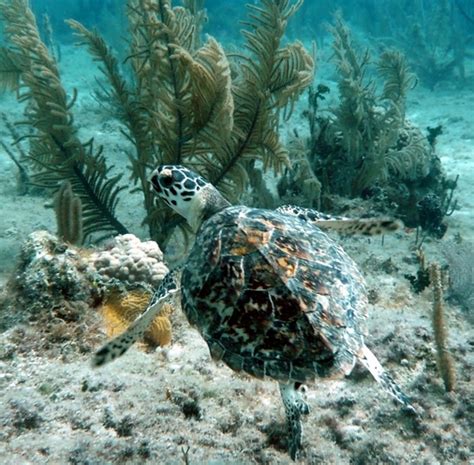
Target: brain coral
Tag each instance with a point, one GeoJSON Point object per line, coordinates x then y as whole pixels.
{"type": "Point", "coordinates": [129, 260]}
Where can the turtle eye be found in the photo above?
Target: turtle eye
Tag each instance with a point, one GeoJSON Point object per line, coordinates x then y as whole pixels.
{"type": "Point", "coordinates": [166, 181]}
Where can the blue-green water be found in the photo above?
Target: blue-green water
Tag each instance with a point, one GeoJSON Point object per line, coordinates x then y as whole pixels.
{"type": "Point", "coordinates": [174, 405]}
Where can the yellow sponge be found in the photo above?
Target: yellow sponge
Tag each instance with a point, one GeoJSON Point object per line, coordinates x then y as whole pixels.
{"type": "Point", "coordinates": [119, 310]}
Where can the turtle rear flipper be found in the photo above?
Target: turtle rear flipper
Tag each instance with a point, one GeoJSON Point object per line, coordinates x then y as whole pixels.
{"type": "Point", "coordinates": [115, 348]}
{"type": "Point", "coordinates": [342, 224]}
{"type": "Point", "coordinates": [295, 406]}
{"type": "Point", "coordinates": [369, 360]}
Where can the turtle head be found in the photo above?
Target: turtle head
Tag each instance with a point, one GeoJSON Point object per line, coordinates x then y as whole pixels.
{"type": "Point", "coordinates": [188, 193]}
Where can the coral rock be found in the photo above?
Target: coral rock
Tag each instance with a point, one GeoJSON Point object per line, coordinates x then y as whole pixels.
{"type": "Point", "coordinates": [52, 273]}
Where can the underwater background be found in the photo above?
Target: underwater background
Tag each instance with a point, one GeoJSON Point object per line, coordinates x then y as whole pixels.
{"type": "Point", "coordinates": [358, 108]}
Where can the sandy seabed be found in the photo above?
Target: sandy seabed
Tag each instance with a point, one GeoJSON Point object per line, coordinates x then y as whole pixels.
{"type": "Point", "coordinates": [176, 406]}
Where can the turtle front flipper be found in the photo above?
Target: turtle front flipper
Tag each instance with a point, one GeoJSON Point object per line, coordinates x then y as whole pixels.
{"type": "Point", "coordinates": [295, 406]}
{"type": "Point", "coordinates": [342, 224]}
{"type": "Point", "coordinates": [167, 291]}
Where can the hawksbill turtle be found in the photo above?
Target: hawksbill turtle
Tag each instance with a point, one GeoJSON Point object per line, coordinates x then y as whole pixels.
{"type": "Point", "coordinates": [270, 292]}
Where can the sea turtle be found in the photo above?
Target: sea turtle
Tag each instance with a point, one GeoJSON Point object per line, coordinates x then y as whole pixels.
{"type": "Point", "coordinates": [270, 292]}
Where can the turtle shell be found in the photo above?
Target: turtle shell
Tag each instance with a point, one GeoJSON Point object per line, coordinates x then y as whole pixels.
{"type": "Point", "coordinates": [274, 296]}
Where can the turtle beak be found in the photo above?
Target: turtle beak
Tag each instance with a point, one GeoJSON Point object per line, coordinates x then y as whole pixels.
{"type": "Point", "coordinates": [154, 181]}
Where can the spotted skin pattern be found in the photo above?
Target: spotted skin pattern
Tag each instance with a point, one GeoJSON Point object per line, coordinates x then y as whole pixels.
{"type": "Point", "coordinates": [186, 183]}
{"type": "Point", "coordinates": [342, 224]}
{"type": "Point", "coordinates": [272, 295]}
{"type": "Point", "coordinates": [295, 406]}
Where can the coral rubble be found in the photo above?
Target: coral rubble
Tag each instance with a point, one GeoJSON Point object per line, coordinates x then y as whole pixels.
{"type": "Point", "coordinates": [54, 278]}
